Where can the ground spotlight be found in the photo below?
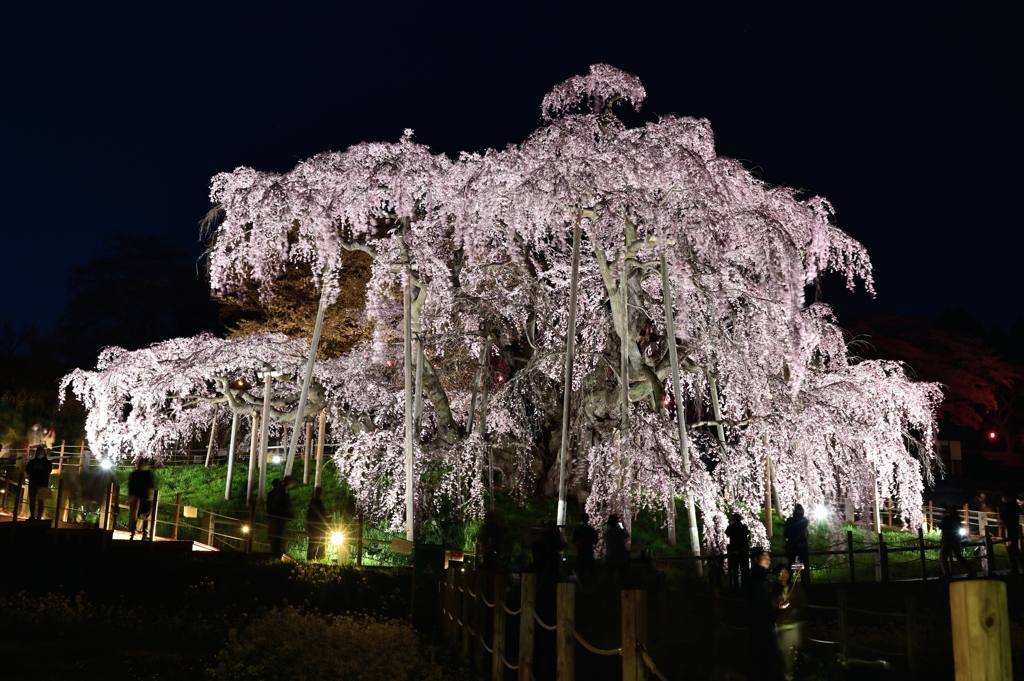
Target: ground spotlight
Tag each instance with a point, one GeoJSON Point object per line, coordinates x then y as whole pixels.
{"type": "Point", "coordinates": [106, 464]}
{"type": "Point", "coordinates": [336, 538]}
{"type": "Point", "coordinates": [963, 531]}
{"type": "Point", "coordinates": [820, 513]}
{"type": "Point", "coordinates": [245, 529]}
{"type": "Point", "coordinates": [276, 459]}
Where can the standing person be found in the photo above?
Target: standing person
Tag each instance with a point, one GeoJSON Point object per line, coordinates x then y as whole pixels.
{"type": "Point", "coordinates": [317, 526]}
{"type": "Point", "coordinates": [584, 539]}
{"type": "Point", "coordinates": [279, 512]}
{"type": "Point", "coordinates": [738, 550]}
{"type": "Point", "coordinates": [1009, 513]}
{"type": "Point", "coordinates": [788, 600]}
{"type": "Point", "coordinates": [952, 533]}
{"type": "Point", "coordinates": [795, 533]}
{"type": "Point", "coordinates": [140, 497]}
{"type": "Point", "coordinates": [615, 537]}
{"type": "Point", "coordinates": [38, 472]}
{"type": "Point", "coordinates": [763, 652]}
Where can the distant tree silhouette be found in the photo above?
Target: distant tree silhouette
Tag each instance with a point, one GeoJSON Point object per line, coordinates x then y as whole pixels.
{"type": "Point", "coordinates": [139, 290]}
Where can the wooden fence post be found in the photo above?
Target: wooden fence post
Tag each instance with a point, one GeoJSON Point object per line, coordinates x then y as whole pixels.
{"type": "Point", "coordinates": [177, 514]}
{"type": "Point", "coordinates": [359, 543]}
{"type": "Point", "coordinates": [498, 634]}
{"type": "Point", "coordinates": [305, 453]}
{"type": "Point", "coordinates": [60, 461]}
{"type": "Point", "coordinates": [920, 548]}
{"type": "Point", "coordinates": [565, 665]}
{"type": "Point", "coordinates": [56, 510]}
{"type": "Point", "coordinates": [841, 609]}
{"type": "Point", "coordinates": [851, 556]}
{"type": "Point", "coordinates": [912, 662]}
{"type": "Point", "coordinates": [981, 630]}
{"type": "Point", "coordinates": [528, 604]}
{"type": "Point", "coordinates": [465, 611]}
{"type": "Point", "coordinates": [931, 517]}
{"type": "Point", "coordinates": [103, 519]}
{"type": "Point", "coordinates": [888, 510]}
{"type": "Point", "coordinates": [479, 612]}
{"type": "Point", "coordinates": [152, 518]}
{"type": "Point", "coordinates": [17, 498]}
{"type": "Point", "coordinates": [988, 556]}
{"type": "Point", "coordinates": [883, 557]}
{"type": "Point", "coordinates": [449, 599]}
{"type": "Point", "coordinates": [967, 519]}
{"type": "Point", "coordinates": [634, 631]}
{"type": "Point", "coordinates": [206, 528]}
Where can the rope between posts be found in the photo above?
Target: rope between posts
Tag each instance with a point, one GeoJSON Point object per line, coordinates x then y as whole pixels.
{"type": "Point", "coordinates": [828, 643]}
{"type": "Point", "coordinates": [541, 622]}
{"type": "Point", "coordinates": [510, 666]}
{"type": "Point", "coordinates": [596, 651]}
{"type": "Point", "coordinates": [484, 643]}
{"type": "Point", "coordinates": [822, 607]}
{"type": "Point", "coordinates": [484, 599]}
{"type": "Point", "coordinates": [875, 650]}
{"type": "Point", "coordinates": [729, 626]}
{"type": "Point", "coordinates": [650, 663]}
{"type": "Point", "coordinates": [875, 612]}
{"type": "Point", "coordinates": [511, 612]}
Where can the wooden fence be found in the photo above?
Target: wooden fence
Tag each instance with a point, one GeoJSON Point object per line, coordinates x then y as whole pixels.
{"type": "Point", "coordinates": [467, 615]}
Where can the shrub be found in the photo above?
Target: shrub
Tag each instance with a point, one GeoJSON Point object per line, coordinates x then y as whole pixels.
{"type": "Point", "coordinates": [302, 646]}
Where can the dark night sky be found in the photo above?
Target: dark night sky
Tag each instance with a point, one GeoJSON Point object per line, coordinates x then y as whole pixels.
{"type": "Point", "coordinates": [115, 115]}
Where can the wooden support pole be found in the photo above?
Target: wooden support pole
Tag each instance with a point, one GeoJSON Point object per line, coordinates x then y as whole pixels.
{"type": "Point", "coordinates": [268, 380]}
{"type": "Point", "coordinates": [498, 630]}
{"type": "Point", "coordinates": [920, 549]}
{"type": "Point", "coordinates": [841, 609]}
{"type": "Point", "coordinates": [177, 514]}
{"type": "Point", "coordinates": [320, 434]}
{"type": "Point", "coordinates": [307, 379]}
{"type": "Point", "coordinates": [851, 557]}
{"type": "Point", "coordinates": [570, 353]}
{"type": "Point", "coordinates": [931, 517]}
{"type": "Point", "coordinates": [912, 661]}
{"type": "Point", "coordinates": [308, 435]}
{"type": "Point", "coordinates": [359, 543]}
{"type": "Point", "coordinates": [206, 528]}
{"type": "Point", "coordinates": [565, 642]}
{"type": "Point", "coordinates": [988, 556]}
{"type": "Point", "coordinates": [981, 630]}
{"type": "Point", "coordinates": [213, 439]}
{"type": "Point", "coordinates": [17, 497]}
{"type": "Point", "coordinates": [83, 463]}
{"type": "Point", "coordinates": [888, 510]}
{"type": "Point", "coordinates": [60, 461]}
{"type": "Point", "coordinates": [527, 607]}
{"type": "Point", "coordinates": [634, 633]}
{"type": "Point", "coordinates": [967, 519]}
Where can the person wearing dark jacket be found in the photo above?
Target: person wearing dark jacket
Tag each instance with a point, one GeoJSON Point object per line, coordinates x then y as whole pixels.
{"type": "Point", "coordinates": [279, 512]}
{"type": "Point", "coordinates": [952, 533]}
{"type": "Point", "coordinates": [317, 526]}
{"type": "Point", "coordinates": [795, 533]}
{"type": "Point", "coordinates": [38, 472]}
{"type": "Point", "coordinates": [738, 550]}
{"type": "Point", "coordinates": [763, 655]}
{"type": "Point", "coordinates": [1009, 513]}
{"type": "Point", "coordinates": [584, 539]}
{"type": "Point", "coordinates": [140, 499]}
{"type": "Point", "coordinates": [615, 536]}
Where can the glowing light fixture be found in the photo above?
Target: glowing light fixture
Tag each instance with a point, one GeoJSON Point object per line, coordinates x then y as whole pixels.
{"type": "Point", "coordinates": [106, 464]}
{"type": "Point", "coordinates": [276, 459]}
{"type": "Point", "coordinates": [820, 512]}
{"type": "Point", "coordinates": [963, 531]}
{"type": "Point", "coordinates": [336, 538]}
{"type": "Point", "coordinates": [245, 529]}
{"type": "Point", "coordinates": [992, 435]}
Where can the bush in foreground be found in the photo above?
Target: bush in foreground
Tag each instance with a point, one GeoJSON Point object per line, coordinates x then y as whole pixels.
{"type": "Point", "coordinates": [302, 646]}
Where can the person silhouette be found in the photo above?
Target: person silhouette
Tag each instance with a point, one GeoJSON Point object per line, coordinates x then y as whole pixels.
{"type": "Point", "coordinates": [38, 471]}
{"type": "Point", "coordinates": [795, 533]}
{"type": "Point", "coordinates": [738, 550]}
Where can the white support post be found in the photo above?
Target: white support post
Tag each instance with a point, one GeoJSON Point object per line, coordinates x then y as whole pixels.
{"type": "Point", "coordinates": [570, 349]}
{"type": "Point", "coordinates": [320, 433]}
{"type": "Point", "coordinates": [627, 512]}
{"type": "Point", "coordinates": [306, 380]}
{"type": "Point", "coordinates": [410, 501]}
{"type": "Point", "coordinates": [254, 442]}
{"type": "Point", "coordinates": [213, 438]}
{"type": "Point", "coordinates": [231, 456]}
{"type": "Point", "coordinates": [684, 448]}
{"type": "Point", "coordinates": [268, 379]}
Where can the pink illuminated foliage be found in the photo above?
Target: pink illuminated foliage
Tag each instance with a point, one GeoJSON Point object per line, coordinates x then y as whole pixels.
{"type": "Point", "coordinates": [487, 239]}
